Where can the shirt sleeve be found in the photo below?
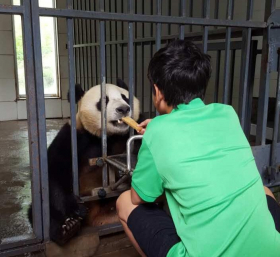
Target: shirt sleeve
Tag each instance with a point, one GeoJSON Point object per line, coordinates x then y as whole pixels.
{"type": "Point", "coordinates": [146, 180]}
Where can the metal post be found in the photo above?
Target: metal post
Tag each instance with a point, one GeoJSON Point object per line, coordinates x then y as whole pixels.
{"type": "Point", "coordinates": [183, 14]}
{"type": "Point", "coordinates": [130, 62]}
{"type": "Point", "coordinates": [264, 81]}
{"type": "Point", "coordinates": [232, 60]}
{"type": "Point", "coordinates": [33, 129]}
{"type": "Point", "coordinates": [103, 94]}
{"type": "Point", "coordinates": [217, 79]}
{"type": "Point", "coordinates": [227, 55]}
{"type": "Point", "coordinates": [41, 118]}
{"type": "Point", "coordinates": [216, 12]}
{"type": "Point", "coordinates": [276, 131]}
{"type": "Point", "coordinates": [206, 14]}
{"type": "Point", "coordinates": [71, 69]}
{"type": "Point", "coordinates": [191, 12]}
{"type": "Point", "coordinates": [158, 30]}
{"type": "Point", "coordinates": [245, 57]}
{"type": "Point", "coordinates": [142, 58]}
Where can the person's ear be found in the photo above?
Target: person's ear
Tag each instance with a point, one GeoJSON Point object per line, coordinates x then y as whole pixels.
{"type": "Point", "coordinates": [158, 94]}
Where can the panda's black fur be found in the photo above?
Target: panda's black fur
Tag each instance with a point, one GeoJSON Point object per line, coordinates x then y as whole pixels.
{"type": "Point", "coordinates": [66, 210]}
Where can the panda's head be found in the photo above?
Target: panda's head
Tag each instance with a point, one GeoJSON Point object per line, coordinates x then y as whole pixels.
{"type": "Point", "coordinates": [89, 109]}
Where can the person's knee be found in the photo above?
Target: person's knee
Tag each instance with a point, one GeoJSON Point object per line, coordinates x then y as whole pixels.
{"type": "Point", "coordinates": [124, 205]}
{"type": "Point", "coordinates": [268, 192]}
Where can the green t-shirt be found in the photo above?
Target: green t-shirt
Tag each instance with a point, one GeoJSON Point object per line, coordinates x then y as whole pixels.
{"type": "Point", "coordinates": [199, 156]}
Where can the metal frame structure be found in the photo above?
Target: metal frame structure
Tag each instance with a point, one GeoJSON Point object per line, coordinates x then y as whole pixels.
{"type": "Point", "coordinates": [267, 155]}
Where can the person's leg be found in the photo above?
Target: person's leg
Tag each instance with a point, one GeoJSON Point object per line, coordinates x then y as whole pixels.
{"type": "Point", "coordinates": [273, 207]}
{"type": "Point", "coordinates": [124, 209]}
{"type": "Point", "coordinates": [268, 192]}
{"type": "Point", "coordinates": [150, 229]}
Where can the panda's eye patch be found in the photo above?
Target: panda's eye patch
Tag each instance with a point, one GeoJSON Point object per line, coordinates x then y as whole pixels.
{"type": "Point", "coordinates": [125, 98]}
{"type": "Point", "coordinates": [98, 105]}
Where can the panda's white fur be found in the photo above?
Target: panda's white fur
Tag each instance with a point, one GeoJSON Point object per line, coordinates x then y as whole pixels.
{"type": "Point", "coordinates": [89, 117]}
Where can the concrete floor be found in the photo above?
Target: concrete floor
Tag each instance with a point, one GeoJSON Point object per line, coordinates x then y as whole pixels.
{"type": "Point", "coordinates": [15, 184]}
{"type": "Point", "coordinates": [15, 188]}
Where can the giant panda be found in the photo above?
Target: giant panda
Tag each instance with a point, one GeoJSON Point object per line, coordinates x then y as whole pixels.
{"type": "Point", "coordinates": [66, 210]}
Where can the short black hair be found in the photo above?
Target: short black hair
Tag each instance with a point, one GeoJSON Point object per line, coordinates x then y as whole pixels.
{"type": "Point", "coordinates": [181, 71]}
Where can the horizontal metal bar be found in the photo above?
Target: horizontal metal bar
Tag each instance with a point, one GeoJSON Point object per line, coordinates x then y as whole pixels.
{"type": "Point", "coordinates": [235, 45]}
{"type": "Point", "coordinates": [11, 9]}
{"type": "Point", "coordinates": [22, 250]}
{"type": "Point", "coordinates": [195, 36]}
{"type": "Point", "coordinates": [149, 18]}
{"type": "Point", "coordinates": [18, 241]}
{"type": "Point", "coordinates": [109, 229]}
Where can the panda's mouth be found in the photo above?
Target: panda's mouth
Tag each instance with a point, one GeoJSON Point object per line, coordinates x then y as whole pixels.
{"type": "Point", "coordinates": [119, 123]}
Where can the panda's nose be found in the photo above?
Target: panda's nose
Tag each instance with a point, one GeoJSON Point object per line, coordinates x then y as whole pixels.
{"type": "Point", "coordinates": [124, 109]}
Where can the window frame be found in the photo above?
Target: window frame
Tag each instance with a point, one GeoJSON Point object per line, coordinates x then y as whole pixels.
{"type": "Point", "coordinates": [57, 62]}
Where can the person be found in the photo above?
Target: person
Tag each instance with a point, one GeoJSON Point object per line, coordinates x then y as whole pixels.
{"type": "Point", "coordinates": [199, 158]}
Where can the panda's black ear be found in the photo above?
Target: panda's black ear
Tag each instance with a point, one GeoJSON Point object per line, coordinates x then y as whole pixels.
{"type": "Point", "coordinates": [79, 93]}
{"type": "Point", "coordinates": [122, 84]}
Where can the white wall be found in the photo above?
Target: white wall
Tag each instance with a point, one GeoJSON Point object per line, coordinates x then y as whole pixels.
{"type": "Point", "coordinates": [10, 107]}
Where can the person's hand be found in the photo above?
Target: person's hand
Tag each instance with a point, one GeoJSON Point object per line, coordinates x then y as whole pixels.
{"type": "Point", "coordinates": [144, 125]}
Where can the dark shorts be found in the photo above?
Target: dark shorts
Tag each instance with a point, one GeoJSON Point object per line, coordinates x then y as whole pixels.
{"type": "Point", "coordinates": [154, 230]}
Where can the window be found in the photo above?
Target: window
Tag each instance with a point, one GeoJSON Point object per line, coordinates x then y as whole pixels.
{"type": "Point", "coordinates": [49, 52]}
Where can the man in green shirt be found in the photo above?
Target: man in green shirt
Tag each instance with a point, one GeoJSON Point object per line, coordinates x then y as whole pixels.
{"type": "Point", "coordinates": [199, 158]}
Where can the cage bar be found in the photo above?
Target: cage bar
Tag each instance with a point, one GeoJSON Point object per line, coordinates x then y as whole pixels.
{"type": "Point", "coordinates": [103, 95]}
{"type": "Point", "coordinates": [130, 63]}
{"type": "Point", "coordinates": [206, 14]}
{"type": "Point", "coordinates": [71, 69]}
{"type": "Point", "coordinates": [227, 55]}
{"type": "Point", "coordinates": [245, 57]}
{"type": "Point", "coordinates": [183, 14]}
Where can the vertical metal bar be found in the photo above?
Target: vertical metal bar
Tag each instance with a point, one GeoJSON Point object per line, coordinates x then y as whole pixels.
{"type": "Point", "coordinates": [182, 14]}
{"type": "Point", "coordinates": [91, 40]}
{"type": "Point", "coordinates": [87, 47]}
{"type": "Point", "coordinates": [227, 55]}
{"type": "Point", "coordinates": [81, 62]}
{"type": "Point", "coordinates": [264, 81]}
{"type": "Point", "coordinates": [95, 47]}
{"type": "Point", "coordinates": [103, 94]}
{"type": "Point", "coordinates": [216, 12]}
{"type": "Point", "coordinates": [77, 51]}
{"type": "Point", "coordinates": [206, 14]}
{"type": "Point", "coordinates": [158, 27]}
{"type": "Point", "coordinates": [191, 12]}
{"type": "Point", "coordinates": [151, 53]}
{"type": "Point", "coordinates": [232, 60]}
{"type": "Point", "coordinates": [252, 66]}
{"type": "Point", "coordinates": [33, 129]}
{"type": "Point", "coordinates": [122, 53]}
{"type": "Point", "coordinates": [169, 14]}
{"type": "Point", "coordinates": [110, 38]}
{"type": "Point", "coordinates": [84, 47]}
{"type": "Point", "coordinates": [116, 45]}
{"type": "Point", "coordinates": [276, 118]}
{"type": "Point", "coordinates": [143, 63]}
{"type": "Point", "coordinates": [244, 72]}
{"type": "Point", "coordinates": [135, 55]}
{"type": "Point", "coordinates": [217, 79]}
{"type": "Point", "coordinates": [71, 68]}
{"type": "Point", "coordinates": [130, 62]}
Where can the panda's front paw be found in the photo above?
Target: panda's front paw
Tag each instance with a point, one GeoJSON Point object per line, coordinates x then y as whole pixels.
{"type": "Point", "coordinates": [70, 228]}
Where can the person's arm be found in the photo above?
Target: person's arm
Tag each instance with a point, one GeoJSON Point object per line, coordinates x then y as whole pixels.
{"type": "Point", "coordinates": [147, 184]}
{"type": "Point", "coordinates": [135, 198]}
{"type": "Point", "coordinates": [144, 125]}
